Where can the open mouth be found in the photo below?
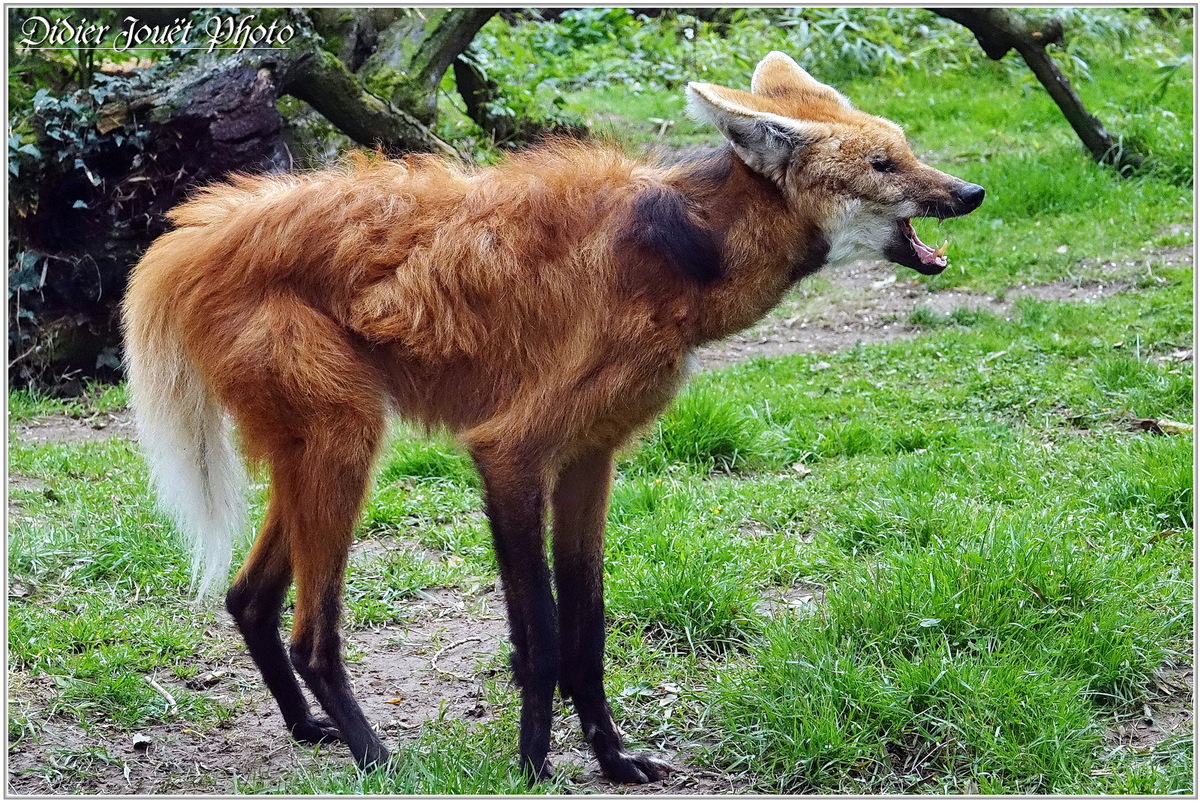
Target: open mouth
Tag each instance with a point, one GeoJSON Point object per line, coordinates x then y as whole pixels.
{"type": "Point", "coordinates": [907, 249]}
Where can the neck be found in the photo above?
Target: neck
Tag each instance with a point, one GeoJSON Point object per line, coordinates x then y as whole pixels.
{"type": "Point", "coordinates": [765, 246]}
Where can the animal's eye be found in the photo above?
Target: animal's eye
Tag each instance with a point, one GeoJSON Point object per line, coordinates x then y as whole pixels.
{"type": "Point", "coordinates": [883, 164]}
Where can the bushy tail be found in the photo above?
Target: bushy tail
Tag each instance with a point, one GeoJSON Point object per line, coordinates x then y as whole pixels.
{"type": "Point", "coordinates": [186, 439]}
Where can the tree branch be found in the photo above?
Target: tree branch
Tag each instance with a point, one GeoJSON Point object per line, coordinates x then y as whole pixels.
{"type": "Point", "coordinates": [413, 53]}
{"type": "Point", "coordinates": [999, 30]}
{"type": "Point", "coordinates": [321, 80]}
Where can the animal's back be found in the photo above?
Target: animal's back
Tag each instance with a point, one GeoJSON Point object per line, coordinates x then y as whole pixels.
{"type": "Point", "coordinates": [404, 249]}
{"type": "Point", "coordinates": [451, 277]}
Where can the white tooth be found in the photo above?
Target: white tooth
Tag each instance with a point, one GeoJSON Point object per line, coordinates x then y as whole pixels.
{"type": "Point", "coordinates": [941, 252]}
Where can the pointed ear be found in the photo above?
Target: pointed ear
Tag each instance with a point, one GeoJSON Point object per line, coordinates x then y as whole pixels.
{"type": "Point", "coordinates": [765, 141]}
{"type": "Point", "coordinates": [778, 75]}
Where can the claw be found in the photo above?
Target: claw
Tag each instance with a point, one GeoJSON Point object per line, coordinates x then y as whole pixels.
{"type": "Point", "coordinates": [316, 731]}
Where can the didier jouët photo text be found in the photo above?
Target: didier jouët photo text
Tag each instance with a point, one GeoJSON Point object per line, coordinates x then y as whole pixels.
{"type": "Point", "coordinates": [219, 32]}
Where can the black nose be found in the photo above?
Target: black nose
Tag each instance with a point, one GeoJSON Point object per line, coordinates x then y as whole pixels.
{"type": "Point", "coordinates": [968, 197]}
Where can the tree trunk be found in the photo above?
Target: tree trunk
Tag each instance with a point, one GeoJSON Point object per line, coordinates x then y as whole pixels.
{"type": "Point", "coordinates": [415, 51]}
{"type": "Point", "coordinates": [999, 30]}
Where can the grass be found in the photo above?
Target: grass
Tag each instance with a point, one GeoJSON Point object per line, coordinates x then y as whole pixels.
{"type": "Point", "coordinates": [999, 563]}
{"type": "Point", "coordinates": [24, 405]}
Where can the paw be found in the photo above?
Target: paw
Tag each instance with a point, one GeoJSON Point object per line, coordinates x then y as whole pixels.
{"type": "Point", "coordinates": [634, 768]}
{"type": "Point", "coordinates": [544, 770]}
{"type": "Point", "coordinates": [316, 731]}
{"type": "Point", "coordinates": [374, 757]}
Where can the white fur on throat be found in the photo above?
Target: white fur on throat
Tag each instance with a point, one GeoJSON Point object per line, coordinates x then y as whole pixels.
{"type": "Point", "coordinates": [856, 231]}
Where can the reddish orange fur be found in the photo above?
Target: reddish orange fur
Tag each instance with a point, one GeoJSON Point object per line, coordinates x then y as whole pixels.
{"type": "Point", "coordinates": [497, 302]}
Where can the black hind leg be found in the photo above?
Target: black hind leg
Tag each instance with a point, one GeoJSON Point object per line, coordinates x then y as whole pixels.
{"type": "Point", "coordinates": [255, 601]}
{"type": "Point", "coordinates": [324, 484]}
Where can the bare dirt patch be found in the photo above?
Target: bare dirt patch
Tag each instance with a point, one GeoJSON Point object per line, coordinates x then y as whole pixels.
{"type": "Point", "coordinates": [1166, 712]}
{"type": "Point", "coordinates": [800, 599]}
{"type": "Point", "coordinates": [865, 303]}
{"type": "Point", "coordinates": [17, 482]}
{"type": "Point", "coordinates": [862, 302]}
{"type": "Point", "coordinates": [683, 780]}
{"type": "Point", "coordinates": [407, 675]}
{"type": "Point", "coordinates": [62, 428]}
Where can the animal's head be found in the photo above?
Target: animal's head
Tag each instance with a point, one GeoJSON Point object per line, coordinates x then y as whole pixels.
{"type": "Point", "coordinates": [856, 169]}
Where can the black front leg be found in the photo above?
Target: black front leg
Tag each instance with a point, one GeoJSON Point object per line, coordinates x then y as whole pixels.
{"type": "Point", "coordinates": [514, 497]}
{"type": "Point", "coordinates": [580, 509]}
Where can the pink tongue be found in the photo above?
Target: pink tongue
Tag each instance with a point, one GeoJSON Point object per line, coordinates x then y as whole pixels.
{"type": "Point", "coordinates": [926, 254]}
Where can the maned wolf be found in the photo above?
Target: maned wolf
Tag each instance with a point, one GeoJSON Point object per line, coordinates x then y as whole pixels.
{"type": "Point", "coordinates": [544, 310]}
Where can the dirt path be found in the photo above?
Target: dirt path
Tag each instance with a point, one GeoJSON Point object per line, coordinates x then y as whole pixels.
{"type": "Point", "coordinates": [866, 303]}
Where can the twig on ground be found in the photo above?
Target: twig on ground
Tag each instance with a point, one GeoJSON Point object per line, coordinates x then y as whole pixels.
{"type": "Point", "coordinates": [171, 704]}
{"type": "Point", "coordinates": [433, 661]}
